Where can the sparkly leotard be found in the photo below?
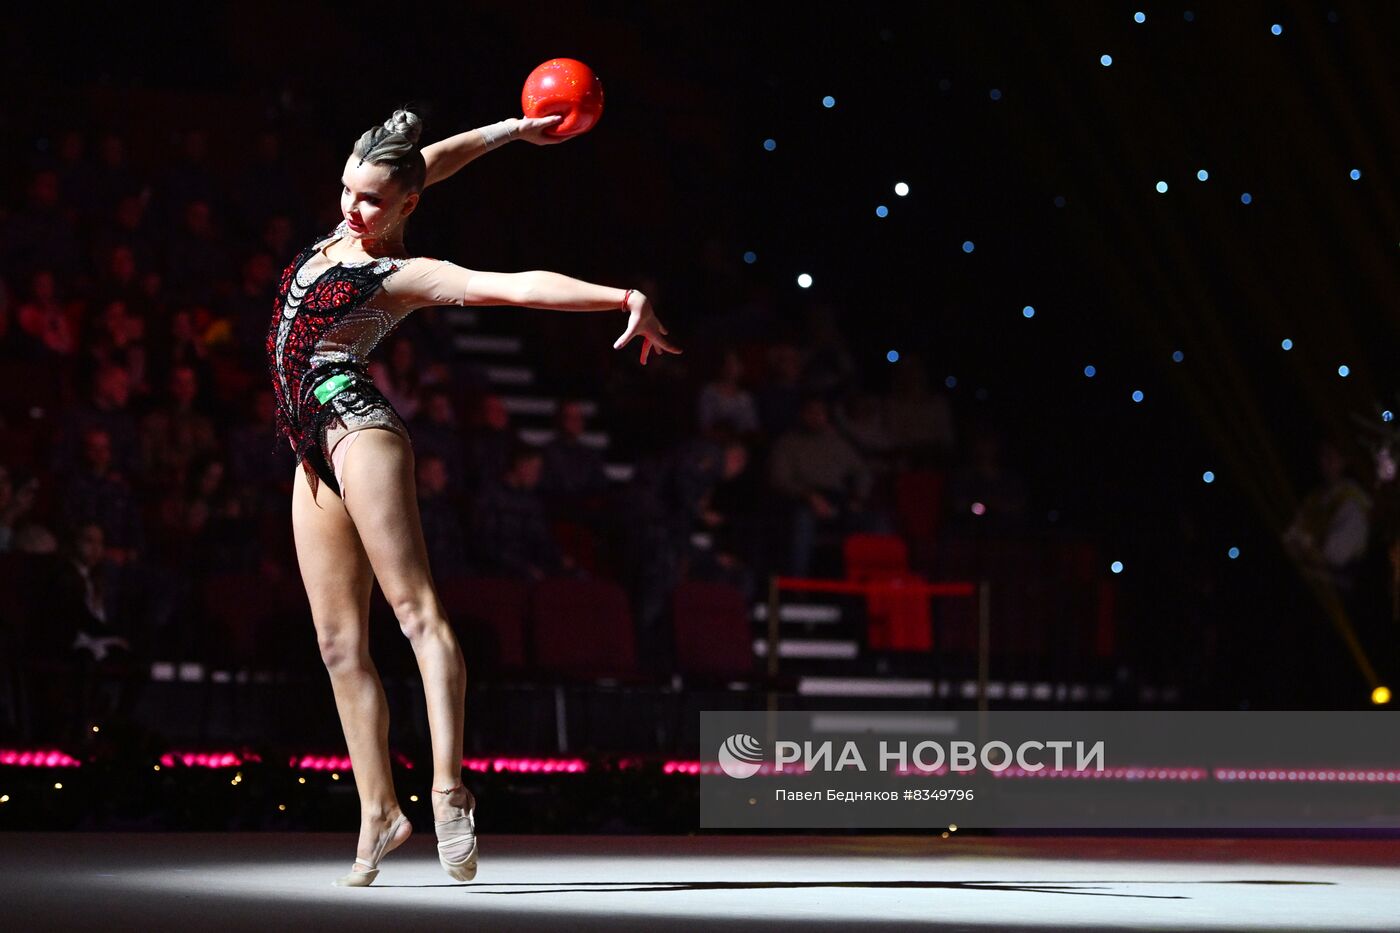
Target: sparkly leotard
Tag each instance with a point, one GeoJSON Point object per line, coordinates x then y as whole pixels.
{"type": "Point", "coordinates": [326, 318]}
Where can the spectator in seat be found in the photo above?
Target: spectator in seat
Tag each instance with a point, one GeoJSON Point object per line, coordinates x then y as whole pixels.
{"type": "Point", "coordinates": [828, 368]}
{"type": "Point", "coordinates": [115, 335]}
{"type": "Point", "coordinates": [985, 493]}
{"type": "Point", "coordinates": [489, 442]}
{"type": "Point", "coordinates": [128, 230]}
{"type": "Point", "coordinates": [107, 409]}
{"type": "Point", "coordinates": [120, 280]}
{"type": "Point", "coordinates": [41, 235]}
{"type": "Point", "coordinates": [780, 395]}
{"type": "Point", "coordinates": [198, 257]}
{"type": "Point", "coordinates": [510, 534]}
{"type": "Point", "coordinates": [175, 434]}
{"type": "Point", "coordinates": [203, 523]}
{"type": "Point", "coordinates": [920, 422]}
{"type": "Point", "coordinates": [443, 531]}
{"type": "Point", "coordinates": [572, 469]}
{"type": "Point", "coordinates": [725, 399]}
{"type": "Point", "coordinates": [1329, 532]}
{"type": "Point", "coordinates": [436, 433]}
{"type": "Point", "coordinates": [51, 325]}
{"type": "Point", "coordinates": [860, 417]}
{"type": "Point", "coordinates": [403, 379]}
{"type": "Point", "coordinates": [97, 494]}
{"type": "Point", "coordinates": [824, 482]}
{"type": "Point", "coordinates": [16, 500]}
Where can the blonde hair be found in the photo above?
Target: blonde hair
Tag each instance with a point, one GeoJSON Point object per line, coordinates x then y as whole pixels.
{"type": "Point", "coordinates": [394, 143]}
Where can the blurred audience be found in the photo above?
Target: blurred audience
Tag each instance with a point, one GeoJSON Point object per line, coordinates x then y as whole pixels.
{"type": "Point", "coordinates": [443, 531]}
{"type": "Point", "coordinates": [510, 535]}
{"type": "Point", "coordinates": [984, 492]}
{"type": "Point", "coordinates": [825, 481]}
{"type": "Point", "coordinates": [725, 399]}
{"type": "Point", "coordinates": [1329, 533]}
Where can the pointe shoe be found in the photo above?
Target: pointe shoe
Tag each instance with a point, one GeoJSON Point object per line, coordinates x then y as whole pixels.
{"type": "Point", "coordinates": [457, 841]}
{"type": "Point", "coordinates": [360, 879]}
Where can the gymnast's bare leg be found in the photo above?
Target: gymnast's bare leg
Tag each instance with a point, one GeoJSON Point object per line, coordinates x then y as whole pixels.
{"type": "Point", "coordinates": [382, 501]}
{"type": "Point", "coordinates": [338, 578]}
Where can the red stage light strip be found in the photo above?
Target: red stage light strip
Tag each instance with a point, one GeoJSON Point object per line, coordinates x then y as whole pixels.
{"type": "Point", "coordinates": [527, 765]}
{"type": "Point", "coordinates": [1259, 774]}
{"type": "Point", "coordinates": [1116, 774]}
{"type": "Point", "coordinates": [37, 758]}
{"type": "Point", "coordinates": [207, 759]}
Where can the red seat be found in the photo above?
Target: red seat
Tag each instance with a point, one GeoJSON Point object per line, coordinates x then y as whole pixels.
{"type": "Point", "coordinates": [489, 615]}
{"type": "Point", "coordinates": [897, 621]}
{"type": "Point", "coordinates": [918, 496]}
{"type": "Point", "coordinates": [582, 628]}
{"type": "Point", "coordinates": [578, 542]}
{"type": "Point", "coordinates": [713, 635]}
{"type": "Point", "coordinates": [238, 607]}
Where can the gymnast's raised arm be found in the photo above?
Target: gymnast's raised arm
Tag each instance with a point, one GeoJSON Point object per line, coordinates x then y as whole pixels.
{"type": "Point", "coordinates": [446, 156]}
{"type": "Point", "coordinates": [424, 282]}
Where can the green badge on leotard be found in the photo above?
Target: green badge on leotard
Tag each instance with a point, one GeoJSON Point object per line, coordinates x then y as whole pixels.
{"type": "Point", "coordinates": [332, 387]}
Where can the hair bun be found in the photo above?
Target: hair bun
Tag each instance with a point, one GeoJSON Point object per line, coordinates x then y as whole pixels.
{"type": "Point", "coordinates": [405, 123]}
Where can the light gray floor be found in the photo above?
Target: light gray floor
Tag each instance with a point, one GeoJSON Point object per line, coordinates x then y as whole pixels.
{"type": "Point", "coordinates": [274, 881]}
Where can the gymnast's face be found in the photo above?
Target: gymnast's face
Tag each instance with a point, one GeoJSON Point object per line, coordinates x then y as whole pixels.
{"type": "Point", "coordinates": [373, 204]}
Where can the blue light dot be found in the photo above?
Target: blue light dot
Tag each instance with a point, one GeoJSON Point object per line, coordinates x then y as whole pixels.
{"type": "Point", "coordinates": [1116, 566]}
{"type": "Point", "coordinates": [1059, 200]}
{"type": "Point", "coordinates": [951, 382]}
{"type": "Point", "coordinates": [1202, 175]}
{"type": "Point", "coordinates": [995, 93]}
{"type": "Point", "coordinates": [968, 246]}
{"type": "Point", "coordinates": [1246, 198]}
{"type": "Point", "coordinates": [1090, 371]}
{"type": "Point", "coordinates": [882, 211]}
{"type": "Point", "coordinates": [1207, 477]}
{"type": "Point", "coordinates": [1276, 29]}
{"type": "Point", "coordinates": [1161, 187]}
{"type": "Point", "coordinates": [770, 144]}
{"type": "Point", "coordinates": [828, 101]}
{"type": "Point", "coordinates": [1387, 415]}
{"type": "Point", "coordinates": [1028, 311]}
{"type": "Point", "coordinates": [1234, 552]}
{"type": "Point", "coordinates": [1139, 17]}
{"type": "Point", "coordinates": [1137, 395]}
{"type": "Point", "coordinates": [1178, 356]}
{"type": "Point", "coordinates": [892, 356]}
{"type": "Point", "coordinates": [750, 257]}
{"type": "Point", "coordinates": [1344, 370]}
{"type": "Point", "coordinates": [1189, 16]}
{"type": "Point", "coordinates": [1105, 60]}
{"type": "Point", "coordinates": [1287, 343]}
{"type": "Point", "coordinates": [1355, 174]}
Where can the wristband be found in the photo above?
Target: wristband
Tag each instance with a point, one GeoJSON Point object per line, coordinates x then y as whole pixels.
{"type": "Point", "coordinates": [497, 133]}
{"type": "Point", "coordinates": [625, 297]}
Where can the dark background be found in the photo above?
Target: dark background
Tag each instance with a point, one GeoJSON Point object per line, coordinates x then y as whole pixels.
{"type": "Point", "coordinates": [675, 185]}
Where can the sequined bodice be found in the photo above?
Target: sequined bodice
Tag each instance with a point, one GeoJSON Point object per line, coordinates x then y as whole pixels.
{"type": "Point", "coordinates": [325, 321]}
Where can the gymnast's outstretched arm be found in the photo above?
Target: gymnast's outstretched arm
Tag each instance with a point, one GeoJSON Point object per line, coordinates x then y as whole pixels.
{"type": "Point", "coordinates": [423, 282]}
{"type": "Point", "coordinates": [446, 156]}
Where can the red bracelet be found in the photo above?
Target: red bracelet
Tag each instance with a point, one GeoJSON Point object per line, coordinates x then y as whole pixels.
{"type": "Point", "coordinates": [625, 297]}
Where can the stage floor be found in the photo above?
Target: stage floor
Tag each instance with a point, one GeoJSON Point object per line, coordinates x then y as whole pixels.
{"type": "Point", "coordinates": [241, 881]}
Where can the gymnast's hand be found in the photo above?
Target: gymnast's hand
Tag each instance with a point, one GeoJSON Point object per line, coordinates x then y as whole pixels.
{"type": "Point", "coordinates": [532, 130]}
{"type": "Point", "coordinates": [642, 320]}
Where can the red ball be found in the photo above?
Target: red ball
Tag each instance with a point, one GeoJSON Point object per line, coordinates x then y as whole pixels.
{"type": "Point", "coordinates": [568, 87]}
